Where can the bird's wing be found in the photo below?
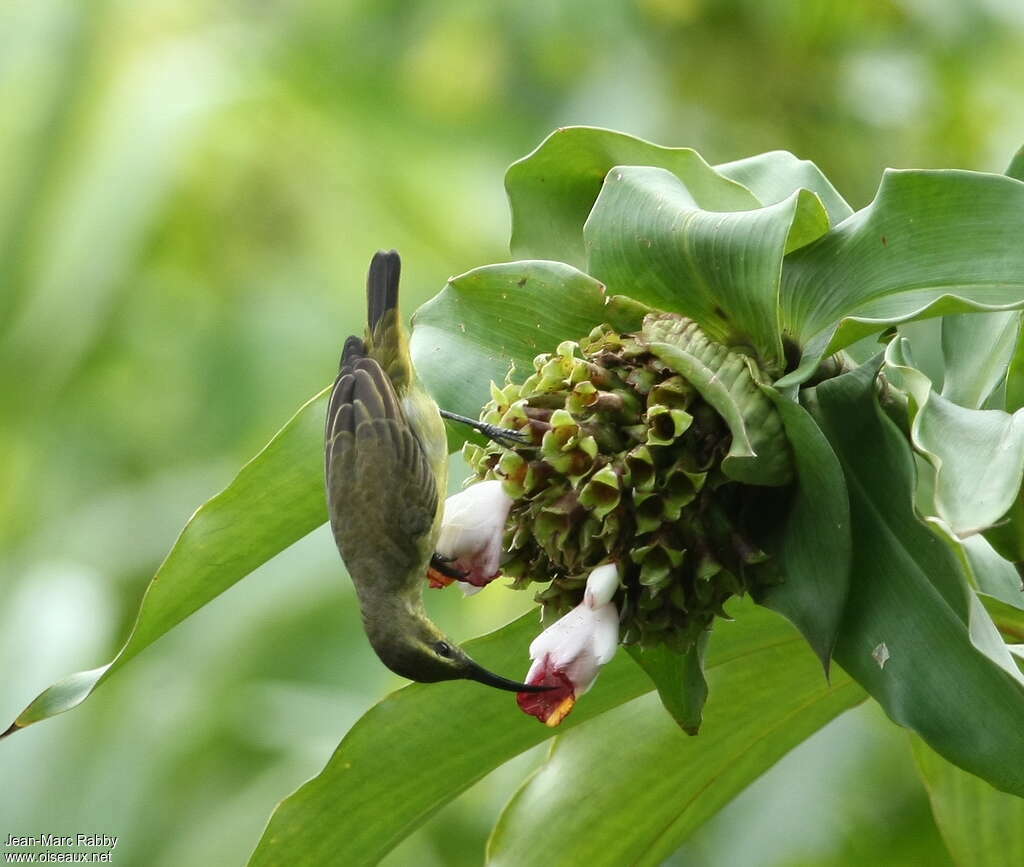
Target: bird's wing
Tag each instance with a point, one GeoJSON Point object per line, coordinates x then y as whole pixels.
{"type": "Point", "coordinates": [381, 492]}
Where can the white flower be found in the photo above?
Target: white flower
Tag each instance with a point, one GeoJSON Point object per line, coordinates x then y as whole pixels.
{"type": "Point", "coordinates": [569, 654]}
{"type": "Point", "coordinates": [472, 531]}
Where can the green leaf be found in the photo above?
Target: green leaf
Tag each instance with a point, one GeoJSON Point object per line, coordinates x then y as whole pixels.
{"type": "Point", "coordinates": [1007, 536]}
{"type": "Point", "coordinates": [930, 244]}
{"type": "Point", "coordinates": [648, 237]}
{"type": "Point", "coordinates": [1009, 619]}
{"type": "Point", "coordinates": [679, 679]}
{"type": "Point", "coordinates": [776, 175]}
{"type": "Point", "coordinates": [490, 318]}
{"type": "Point", "coordinates": [424, 744]}
{"type": "Point", "coordinates": [976, 349]}
{"type": "Point", "coordinates": [1016, 167]}
{"type": "Point", "coordinates": [626, 314]}
{"type": "Point", "coordinates": [1014, 399]}
{"type": "Point", "coordinates": [991, 573]}
{"type": "Point", "coordinates": [416, 750]}
{"type": "Point", "coordinates": [988, 573]}
{"type": "Point", "coordinates": [992, 577]}
{"type": "Point", "coordinates": [813, 549]}
{"type": "Point", "coordinates": [907, 629]}
{"type": "Point", "coordinates": [976, 456]}
{"type": "Point", "coordinates": [981, 827]}
{"type": "Point", "coordinates": [275, 500]}
{"type": "Point", "coordinates": [552, 190]}
{"type": "Point", "coordinates": [629, 787]}
{"type": "Point", "coordinates": [759, 453]}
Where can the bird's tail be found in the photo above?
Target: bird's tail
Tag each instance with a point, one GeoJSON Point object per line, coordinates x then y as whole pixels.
{"type": "Point", "coordinates": [386, 340]}
{"type": "Point", "coordinates": [382, 286]}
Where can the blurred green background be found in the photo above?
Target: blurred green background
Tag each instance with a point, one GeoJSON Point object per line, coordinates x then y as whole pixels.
{"type": "Point", "coordinates": [189, 195]}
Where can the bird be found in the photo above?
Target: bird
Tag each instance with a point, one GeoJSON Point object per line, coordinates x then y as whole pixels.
{"type": "Point", "coordinates": [386, 472]}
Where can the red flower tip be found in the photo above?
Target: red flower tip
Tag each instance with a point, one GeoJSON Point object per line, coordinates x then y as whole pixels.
{"type": "Point", "coordinates": [438, 580]}
{"type": "Point", "coordinates": [549, 707]}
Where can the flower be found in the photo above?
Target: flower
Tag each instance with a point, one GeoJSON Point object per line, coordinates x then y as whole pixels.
{"type": "Point", "coordinates": [569, 654]}
{"type": "Point", "coordinates": [472, 530]}
{"type": "Point", "coordinates": [654, 449]}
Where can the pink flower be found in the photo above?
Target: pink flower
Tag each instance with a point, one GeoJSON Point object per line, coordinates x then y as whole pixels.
{"type": "Point", "coordinates": [472, 531]}
{"type": "Point", "coordinates": [569, 654]}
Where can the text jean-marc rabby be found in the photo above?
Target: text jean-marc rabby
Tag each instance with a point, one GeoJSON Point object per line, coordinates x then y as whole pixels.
{"type": "Point", "coordinates": [100, 841]}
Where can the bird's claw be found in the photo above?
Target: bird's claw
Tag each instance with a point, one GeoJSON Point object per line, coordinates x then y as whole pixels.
{"type": "Point", "coordinates": [502, 435]}
{"type": "Point", "coordinates": [506, 437]}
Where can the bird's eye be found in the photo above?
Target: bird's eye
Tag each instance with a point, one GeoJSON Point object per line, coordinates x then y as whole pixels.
{"type": "Point", "coordinates": [443, 649]}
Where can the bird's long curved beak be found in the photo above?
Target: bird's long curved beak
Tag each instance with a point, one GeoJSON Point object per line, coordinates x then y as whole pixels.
{"type": "Point", "coordinates": [475, 671]}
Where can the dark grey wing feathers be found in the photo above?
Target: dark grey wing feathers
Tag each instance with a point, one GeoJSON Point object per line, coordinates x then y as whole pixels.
{"type": "Point", "coordinates": [379, 482]}
{"type": "Point", "coordinates": [366, 394]}
{"type": "Point", "coordinates": [339, 408]}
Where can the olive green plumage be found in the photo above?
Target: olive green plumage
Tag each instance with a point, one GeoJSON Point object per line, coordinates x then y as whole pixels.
{"type": "Point", "coordinates": [386, 474]}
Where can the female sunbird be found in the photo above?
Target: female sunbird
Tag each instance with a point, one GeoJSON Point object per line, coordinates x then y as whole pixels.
{"type": "Point", "coordinates": [386, 473]}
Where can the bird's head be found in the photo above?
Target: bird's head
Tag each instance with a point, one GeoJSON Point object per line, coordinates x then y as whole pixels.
{"type": "Point", "coordinates": [419, 651]}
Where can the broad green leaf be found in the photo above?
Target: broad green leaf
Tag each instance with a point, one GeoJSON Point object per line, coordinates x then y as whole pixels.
{"type": "Point", "coordinates": [976, 349]}
{"type": "Point", "coordinates": [552, 190]}
{"type": "Point", "coordinates": [776, 175]}
{"type": "Point", "coordinates": [490, 318]}
{"type": "Point", "coordinates": [906, 634]}
{"type": "Point", "coordinates": [679, 679]}
{"type": "Point", "coordinates": [275, 500]}
{"type": "Point", "coordinates": [813, 548]}
{"type": "Point", "coordinates": [930, 244]}
{"type": "Point", "coordinates": [629, 787]}
{"type": "Point", "coordinates": [416, 750]}
{"type": "Point", "coordinates": [976, 456]}
{"type": "Point", "coordinates": [981, 827]}
{"type": "Point", "coordinates": [424, 744]}
{"type": "Point", "coordinates": [649, 238]}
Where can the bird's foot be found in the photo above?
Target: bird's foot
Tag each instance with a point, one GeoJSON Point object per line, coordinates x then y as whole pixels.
{"type": "Point", "coordinates": [503, 436]}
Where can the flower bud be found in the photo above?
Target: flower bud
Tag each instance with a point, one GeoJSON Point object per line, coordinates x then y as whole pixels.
{"type": "Point", "coordinates": [472, 530]}
{"type": "Point", "coordinates": [602, 585]}
{"type": "Point", "coordinates": [569, 654]}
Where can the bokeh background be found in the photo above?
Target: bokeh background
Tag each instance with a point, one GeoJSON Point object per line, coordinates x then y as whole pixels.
{"type": "Point", "coordinates": [190, 191]}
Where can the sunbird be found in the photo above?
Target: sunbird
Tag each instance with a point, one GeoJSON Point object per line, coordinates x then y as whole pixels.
{"type": "Point", "coordinates": [386, 471]}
